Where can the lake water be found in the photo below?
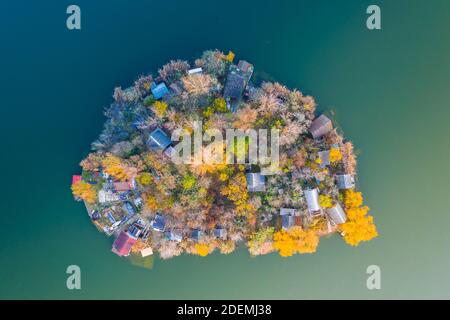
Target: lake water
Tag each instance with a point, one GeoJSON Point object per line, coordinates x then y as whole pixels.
{"type": "Point", "coordinates": [389, 88]}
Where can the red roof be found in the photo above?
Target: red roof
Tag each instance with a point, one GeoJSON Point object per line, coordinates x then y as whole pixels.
{"type": "Point", "coordinates": [121, 186]}
{"type": "Point", "coordinates": [122, 245]}
{"type": "Point", "coordinates": [75, 179]}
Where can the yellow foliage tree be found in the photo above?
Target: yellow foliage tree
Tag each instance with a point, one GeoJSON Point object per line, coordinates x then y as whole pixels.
{"type": "Point", "coordinates": [359, 226]}
{"type": "Point", "coordinates": [115, 167]}
{"type": "Point", "coordinates": [295, 240]}
{"type": "Point", "coordinates": [85, 191]}
{"type": "Point", "coordinates": [160, 108]}
{"type": "Point", "coordinates": [360, 229]}
{"type": "Point", "coordinates": [352, 199]}
{"type": "Point", "coordinates": [145, 179]}
{"type": "Point", "coordinates": [335, 155]}
{"type": "Point", "coordinates": [236, 191]}
{"type": "Point", "coordinates": [325, 201]}
{"type": "Point", "coordinates": [202, 249]}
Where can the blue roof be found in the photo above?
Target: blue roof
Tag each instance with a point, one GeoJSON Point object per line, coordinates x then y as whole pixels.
{"type": "Point", "coordinates": [159, 90]}
{"type": "Point", "coordinates": [159, 139]}
{"type": "Point", "coordinates": [159, 223]}
{"type": "Point", "coordinates": [219, 232]}
{"type": "Point", "coordinates": [196, 234]}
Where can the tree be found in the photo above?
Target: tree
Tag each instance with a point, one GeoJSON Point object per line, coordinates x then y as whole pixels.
{"type": "Point", "coordinates": [84, 191]}
{"type": "Point", "coordinates": [202, 249]}
{"type": "Point", "coordinates": [352, 199]}
{"type": "Point", "coordinates": [144, 179]}
{"type": "Point", "coordinates": [359, 229]}
{"type": "Point", "coordinates": [295, 240]}
{"type": "Point", "coordinates": [335, 155]}
{"type": "Point", "coordinates": [198, 84]}
{"type": "Point", "coordinates": [117, 168]}
{"type": "Point", "coordinates": [325, 201]}
{"type": "Point", "coordinates": [245, 118]}
{"type": "Point", "coordinates": [160, 108]}
{"type": "Point", "coordinates": [174, 70]}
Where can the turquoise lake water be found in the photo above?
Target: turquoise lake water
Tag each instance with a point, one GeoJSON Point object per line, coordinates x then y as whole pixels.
{"type": "Point", "coordinates": [390, 89]}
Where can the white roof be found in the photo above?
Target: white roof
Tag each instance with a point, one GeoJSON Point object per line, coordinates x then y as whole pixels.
{"type": "Point", "coordinates": [287, 211]}
{"type": "Point", "coordinates": [312, 200]}
{"type": "Point", "coordinates": [146, 252]}
{"type": "Point", "coordinates": [196, 70]}
{"type": "Point", "coordinates": [107, 196]}
{"type": "Point", "coordinates": [337, 214]}
{"type": "Point", "coordinates": [345, 181]}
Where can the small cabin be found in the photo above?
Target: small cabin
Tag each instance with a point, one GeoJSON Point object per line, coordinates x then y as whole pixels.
{"type": "Point", "coordinates": [320, 126]}
{"type": "Point", "coordinates": [159, 90]}
{"type": "Point", "coordinates": [345, 181]}
{"type": "Point", "coordinates": [159, 139]}
{"type": "Point", "coordinates": [337, 214]}
{"type": "Point", "coordinates": [122, 245]}
{"type": "Point", "coordinates": [312, 201]}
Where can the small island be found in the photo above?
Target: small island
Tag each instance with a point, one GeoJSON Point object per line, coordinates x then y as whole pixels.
{"type": "Point", "coordinates": [136, 192]}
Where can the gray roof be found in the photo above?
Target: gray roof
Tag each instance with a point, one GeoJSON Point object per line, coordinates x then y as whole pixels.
{"type": "Point", "coordinates": [235, 85]}
{"type": "Point", "coordinates": [256, 182]}
{"type": "Point", "coordinates": [325, 157]}
{"type": "Point", "coordinates": [312, 200]}
{"type": "Point", "coordinates": [287, 221]}
{"type": "Point", "coordinates": [220, 232]}
{"type": "Point", "coordinates": [287, 211]}
{"type": "Point", "coordinates": [320, 126]}
{"type": "Point", "coordinates": [337, 214]}
{"type": "Point", "coordinates": [345, 181]}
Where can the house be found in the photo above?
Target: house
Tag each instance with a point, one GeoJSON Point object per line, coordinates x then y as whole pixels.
{"type": "Point", "coordinates": [129, 208]}
{"type": "Point", "coordinates": [324, 157]}
{"type": "Point", "coordinates": [312, 201]}
{"type": "Point", "coordinates": [174, 235]}
{"type": "Point", "coordinates": [220, 233]}
{"type": "Point", "coordinates": [195, 71]}
{"type": "Point", "coordinates": [122, 245]}
{"type": "Point", "coordinates": [345, 181]}
{"type": "Point", "coordinates": [159, 139]}
{"type": "Point", "coordinates": [256, 182]}
{"type": "Point", "coordinates": [287, 217]}
{"type": "Point", "coordinates": [287, 212]}
{"type": "Point", "coordinates": [320, 126]}
{"type": "Point", "coordinates": [159, 90]}
{"type": "Point", "coordinates": [237, 80]}
{"type": "Point", "coordinates": [146, 252]}
{"type": "Point", "coordinates": [287, 221]}
{"type": "Point", "coordinates": [337, 214]}
{"type": "Point", "coordinates": [123, 186]}
{"type": "Point", "coordinates": [105, 196]}
{"type": "Point", "coordinates": [76, 178]}
{"type": "Point", "coordinates": [196, 235]}
{"type": "Point", "coordinates": [159, 223]}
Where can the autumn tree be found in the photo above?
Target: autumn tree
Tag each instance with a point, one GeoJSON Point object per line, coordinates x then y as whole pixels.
{"type": "Point", "coordinates": [295, 240]}
{"type": "Point", "coordinates": [117, 168]}
{"type": "Point", "coordinates": [84, 191]}
{"type": "Point", "coordinates": [359, 226]}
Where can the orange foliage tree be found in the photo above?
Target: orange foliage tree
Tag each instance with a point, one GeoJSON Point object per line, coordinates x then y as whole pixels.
{"type": "Point", "coordinates": [295, 240]}
{"type": "Point", "coordinates": [359, 226]}
{"type": "Point", "coordinates": [85, 191]}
